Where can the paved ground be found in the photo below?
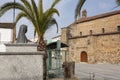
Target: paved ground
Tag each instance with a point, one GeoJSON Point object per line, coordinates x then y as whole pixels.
{"type": "Point", "coordinates": [97, 71]}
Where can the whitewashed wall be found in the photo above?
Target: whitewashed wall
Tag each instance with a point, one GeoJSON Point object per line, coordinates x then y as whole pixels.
{"type": "Point", "coordinates": [6, 35]}
{"type": "Point", "coordinates": [2, 48]}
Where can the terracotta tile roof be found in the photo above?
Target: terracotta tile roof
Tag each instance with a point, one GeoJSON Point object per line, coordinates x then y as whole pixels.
{"type": "Point", "coordinates": [6, 25]}
{"type": "Point", "coordinates": [98, 16]}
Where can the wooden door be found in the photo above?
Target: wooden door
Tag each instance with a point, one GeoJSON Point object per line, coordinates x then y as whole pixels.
{"type": "Point", "coordinates": [84, 57]}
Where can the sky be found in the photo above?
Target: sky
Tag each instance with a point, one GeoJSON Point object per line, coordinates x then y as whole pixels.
{"type": "Point", "coordinates": [66, 9]}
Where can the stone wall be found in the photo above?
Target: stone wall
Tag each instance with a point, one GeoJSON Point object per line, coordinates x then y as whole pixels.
{"type": "Point", "coordinates": [21, 66]}
{"type": "Point", "coordinates": [108, 50]}
{"type": "Point", "coordinates": [108, 56]}
{"type": "Point", "coordinates": [64, 35]}
{"type": "Point", "coordinates": [76, 46]}
{"type": "Point", "coordinates": [100, 49]}
{"type": "Point", "coordinates": [108, 23]}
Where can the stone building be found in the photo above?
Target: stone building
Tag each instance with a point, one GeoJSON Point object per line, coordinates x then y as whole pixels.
{"type": "Point", "coordinates": [94, 39]}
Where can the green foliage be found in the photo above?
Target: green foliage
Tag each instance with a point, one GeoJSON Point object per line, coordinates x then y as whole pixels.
{"type": "Point", "coordinates": [42, 20]}
{"type": "Point", "coordinates": [118, 2]}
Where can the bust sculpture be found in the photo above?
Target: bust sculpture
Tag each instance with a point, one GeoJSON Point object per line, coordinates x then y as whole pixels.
{"type": "Point", "coordinates": [21, 35]}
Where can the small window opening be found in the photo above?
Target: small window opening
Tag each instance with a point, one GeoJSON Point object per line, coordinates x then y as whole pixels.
{"type": "Point", "coordinates": [80, 33]}
{"type": "Point", "coordinates": [119, 28]}
{"type": "Point", "coordinates": [90, 32]}
{"type": "Point", "coordinates": [103, 30]}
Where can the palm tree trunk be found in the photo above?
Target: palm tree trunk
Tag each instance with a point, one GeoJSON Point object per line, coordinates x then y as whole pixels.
{"type": "Point", "coordinates": [42, 47]}
{"type": "Point", "coordinates": [41, 44]}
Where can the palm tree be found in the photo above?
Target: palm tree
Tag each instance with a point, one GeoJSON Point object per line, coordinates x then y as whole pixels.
{"type": "Point", "coordinates": [42, 20]}
{"type": "Point", "coordinates": [78, 8]}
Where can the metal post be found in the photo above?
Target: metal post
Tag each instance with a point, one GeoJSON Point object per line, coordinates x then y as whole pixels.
{"type": "Point", "coordinates": [58, 57]}
{"type": "Point", "coordinates": [50, 59]}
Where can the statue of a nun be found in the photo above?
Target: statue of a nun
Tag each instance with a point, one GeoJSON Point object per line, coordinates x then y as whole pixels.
{"type": "Point", "coordinates": [21, 35]}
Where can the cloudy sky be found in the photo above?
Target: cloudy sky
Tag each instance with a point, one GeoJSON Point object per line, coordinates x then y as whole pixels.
{"type": "Point", "coordinates": [66, 9]}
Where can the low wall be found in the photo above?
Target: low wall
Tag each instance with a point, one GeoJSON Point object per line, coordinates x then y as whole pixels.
{"type": "Point", "coordinates": [21, 65]}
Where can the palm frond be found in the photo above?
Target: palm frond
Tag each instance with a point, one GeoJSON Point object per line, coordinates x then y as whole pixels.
{"type": "Point", "coordinates": [34, 33]}
{"type": "Point", "coordinates": [54, 3]}
{"type": "Point", "coordinates": [7, 6]}
{"type": "Point", "coordinates": [40, 7]}
{"type": "Point", "coordinates": [12, 5]}
{"type": "Point", "coordinates": [53, 22]}
{"type": "Point", "coordinates": [118, 2]}
{"type": "Point", "coordinates": [52, 11]}
{"type": "Point", "coordinates": [78, 8]}
{"type": "Point", "coordinates": [21, 15]}
{"type": "Point", "coordinates": [28, 6]}
{"type": "Point", "coordinates": [35, 10]}
{"type": "Point", "coordinates": [48, 17]}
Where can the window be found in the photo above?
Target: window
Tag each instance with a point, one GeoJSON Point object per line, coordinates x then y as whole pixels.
{"type": "Point", "coordinates": [119, 28]}
{"type": "Point", "coordinates": [90, 32]}
{"type": "Point", "coordinates": [103, 30]}
{"type": "Point", "coordinates": [80, 33]}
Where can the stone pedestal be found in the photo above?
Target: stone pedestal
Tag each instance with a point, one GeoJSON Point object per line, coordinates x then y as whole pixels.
{"type": "Point", "coordinates": [21, 62]}
{"type": "Point", "coordinates": [20, 47]}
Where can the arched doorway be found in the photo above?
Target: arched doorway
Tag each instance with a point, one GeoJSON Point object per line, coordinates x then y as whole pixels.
{"type": "Point", "coordinates": [84, 57]}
